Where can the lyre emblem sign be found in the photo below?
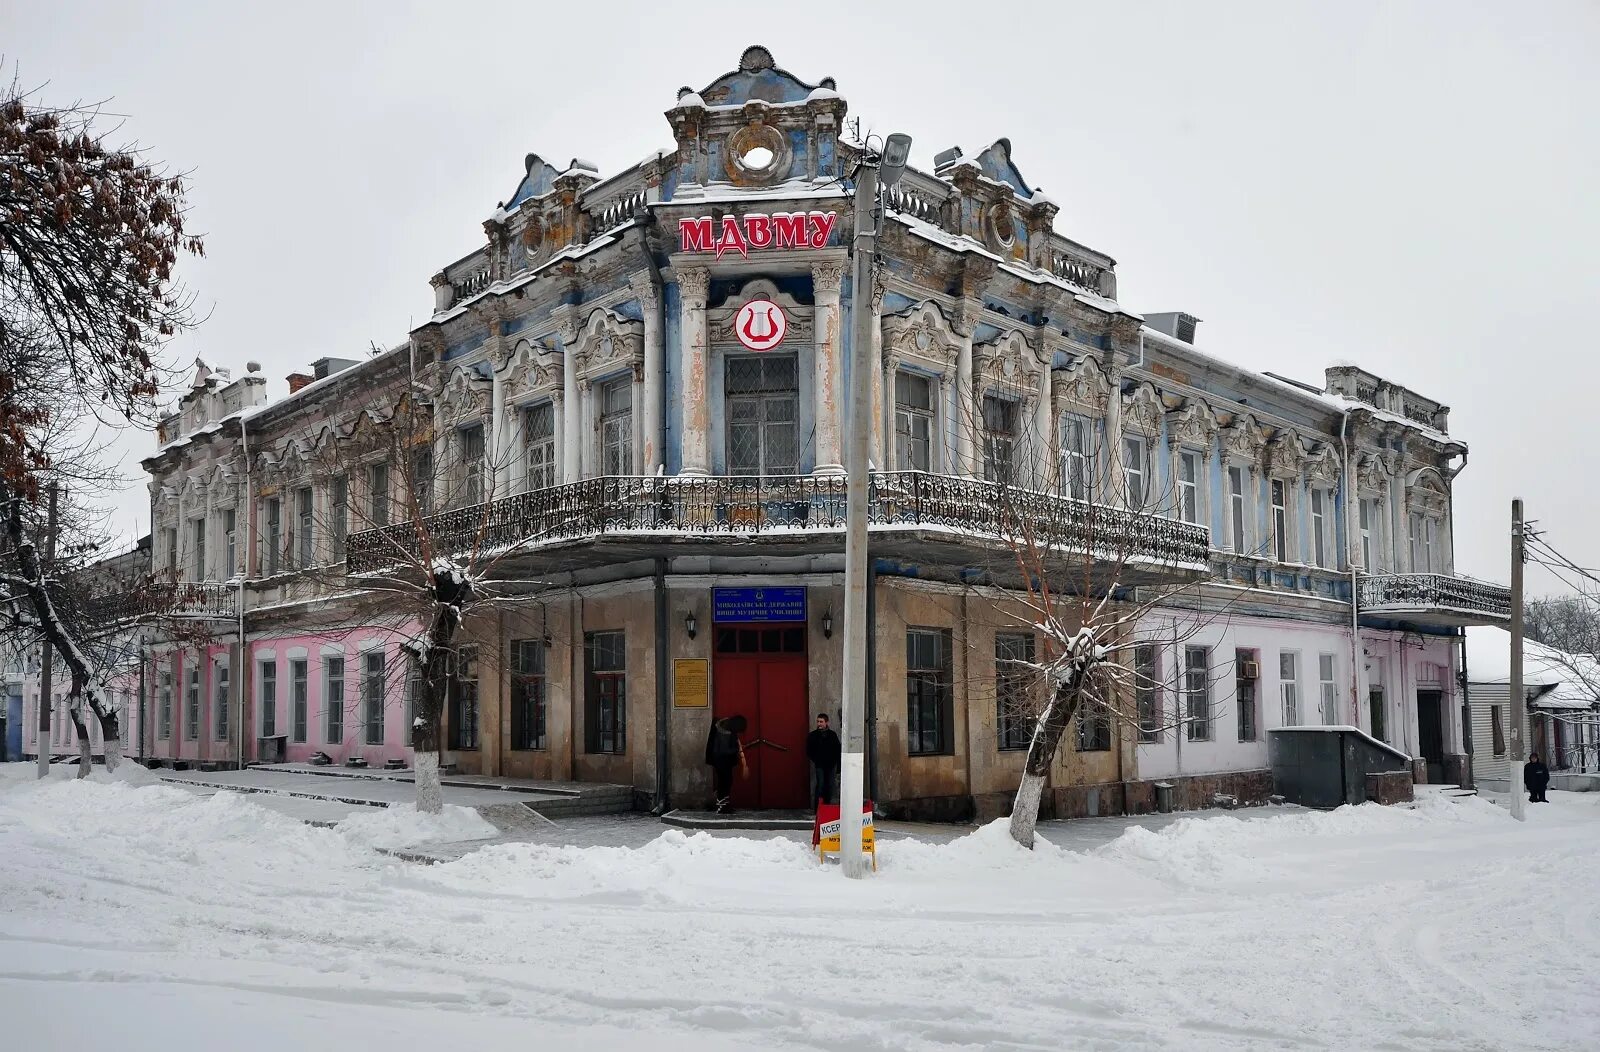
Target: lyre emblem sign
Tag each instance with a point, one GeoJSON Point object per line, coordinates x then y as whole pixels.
{"type": "Point", "coordinates": [760, 325]}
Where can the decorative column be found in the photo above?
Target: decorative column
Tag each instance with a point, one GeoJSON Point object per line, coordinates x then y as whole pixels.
{"type": "Point", "coordinates": [882, 383]}
{"type": "Point", "coordinates": [966, 410]}
{"type": "Point", "coordinates": [1043, 432]}
{"type": "Point", "coordinates": [569, 408]}
{"type": "Point", "coordinates": [651, 454]}
{"type": "Point", "coordinates": [693, 284]}
{"type": "Point", "coordinates": [1116, 478]}
{"type": "Point", "coordinates": [827, 388]}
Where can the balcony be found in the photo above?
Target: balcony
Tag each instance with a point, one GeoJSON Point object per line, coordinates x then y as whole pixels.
{"type": "Point", "coordinates": [1433, 599]}
{"type": "Point", "coordinates": [916, 516]}
{"type": "Point", "coordinates": [162, 600]}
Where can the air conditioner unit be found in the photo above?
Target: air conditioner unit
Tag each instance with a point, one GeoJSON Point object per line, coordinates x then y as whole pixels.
{"type": "Point", "coordinates": [1249, 670]}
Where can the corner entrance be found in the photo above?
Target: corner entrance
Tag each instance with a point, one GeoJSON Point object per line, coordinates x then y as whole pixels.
{"type": "Point", "coordinates": [1430, 732]}
{"type": "Point", "coordinates": [760, 673]}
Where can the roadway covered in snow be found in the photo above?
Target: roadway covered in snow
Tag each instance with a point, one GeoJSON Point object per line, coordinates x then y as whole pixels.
{"type": "Point", "coordinates": [153, 917]}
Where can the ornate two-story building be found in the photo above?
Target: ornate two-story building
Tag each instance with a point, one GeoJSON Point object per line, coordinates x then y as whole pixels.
{"type": "Point", "coordinates": [637, 384]}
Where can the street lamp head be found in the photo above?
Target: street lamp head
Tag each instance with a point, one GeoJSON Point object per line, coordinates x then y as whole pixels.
{"type": "Point", "coordinates": [896, 152]}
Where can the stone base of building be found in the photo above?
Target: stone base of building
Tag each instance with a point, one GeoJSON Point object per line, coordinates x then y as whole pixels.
{"type": "Point", "coordinates": [1244, 788]}
{"type": "Point", "coordinates": [1390, 787]}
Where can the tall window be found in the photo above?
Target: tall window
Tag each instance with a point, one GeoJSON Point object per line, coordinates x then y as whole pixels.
{"type": "Point", "coordinates": [299, 702]}
{"type": "Point", "coordinates": [913, 422]}
{"type": "Point", "coordinates": [464, 698]}
{"type": "Point", "coordinates": [1319, 527]}
{"type": "Point", "coordinates": [1189, 485]}
{"type": "Point", "coordinates": [1280, 521]}
{"type": "Point", "coordinates": [274, 535]}
{"type": "Point", "coordinates": [1498, 727]}
{"type": "Point", "coordinates": [539, 441]}
{"type": "Point", "coordinates": [333, 700]}
{"type": "Point", "coordinates": [999, 439]}
{"type": "Point", "coordinates": [1013, 672]}
{"type": "Point", "coordinates": [221, 701]}
{"type": "Point", "coordinates": [760, 396]}
{"type": "Point", "coordinates": [197, 530]}
{"type": "Point", "coordinates": [422, 478]}
{"type": "Point", "coordinates": [304, 556]}
{"type": "Point", "coordinates": [339, 515]}
{"type": "Point", "coordinates": [269, 698]}
{"type": "Point", "coordinates": [1197, 692]}
{"type": "Point", "coordinates": [230, 541]}
{"type": "Point", "coordinates": [1289, 686]}
{"type": "Point", "coordinates": [164, 706]}
{"type": "Point", "coordinates": [606, 694]}
{"type": "Point", "coordinates": [1246, 669]}
{"type": "Point", "coordinates": [1147, 691]}
{"type": "Point", "coordinates": [616, 426]}
{"type": "Point", "coordinates": [471, 442]}
{"type": "Point", "coordinates": [928, 691]}
{"type": "Point", "coordinates": [1237, 509]}
{"type": "Point", "coordinates": [191, 707]}
{"type": "Point", "coordinates": [1077, 456]}
{"type": "Point", "coordinates": [527, 694]}
{"type": "Point", "coordinates": [1094, 727]}
{"type": "Point", "coordinates": [1369, 516]}
{"type": "Point", "coordinates": [1375, 712]}
{"type": "Point", "coordinates": [378, 494]}
{"type": "Point", "coordinates": [1422, 538]}
{"type": "Point", "coordinates": [374, 676]}
{"type": "Point", "coordinates": [1135, 471]}
{"type": "Point", "coordinates": [1330, 689]}
{"type": "Point", "coordinates": [170, 535]}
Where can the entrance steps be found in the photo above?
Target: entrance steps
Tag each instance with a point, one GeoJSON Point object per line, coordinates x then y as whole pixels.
{"type": "Point", "coordinates": [1449, 792]}
{"type": "Point", "coordinates": [739, 819]}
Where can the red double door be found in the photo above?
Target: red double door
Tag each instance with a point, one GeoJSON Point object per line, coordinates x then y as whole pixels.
{"type": "Point", "coordinates": [769, 690]}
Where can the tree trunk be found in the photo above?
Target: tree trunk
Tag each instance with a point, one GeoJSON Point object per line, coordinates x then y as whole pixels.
{"type": "Point", "coordinates": [111, 736]}
{"type": "Point", "coordinates": [451, 593]}
{"type": "Point", "coordinates": [85, 753]}
{"type": "Point", "coordinates": [1053, 722]}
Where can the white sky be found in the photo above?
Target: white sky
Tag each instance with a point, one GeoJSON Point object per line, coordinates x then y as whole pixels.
{"type": "Point", "coordinates": [1409, 186]}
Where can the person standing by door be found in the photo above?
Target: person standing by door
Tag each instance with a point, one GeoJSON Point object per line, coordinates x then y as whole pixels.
{"type": "Point", "coordinates": [724, 752]}
{"type": "Point", "coordinates": [1536, 779]}
{"type": "Point", "coordinates": [822, 749]}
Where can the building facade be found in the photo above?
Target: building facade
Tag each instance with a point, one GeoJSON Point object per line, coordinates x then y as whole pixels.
{"type": "Point", "coordinates": [636, 385]}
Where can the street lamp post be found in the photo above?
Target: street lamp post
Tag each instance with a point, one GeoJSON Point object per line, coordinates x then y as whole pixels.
{"type": "Point", "coordinates": [852, 770]}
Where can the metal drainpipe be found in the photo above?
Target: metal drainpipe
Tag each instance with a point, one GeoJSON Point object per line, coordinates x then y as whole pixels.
{"type": "Point", "coordinates": [663, 709]}
{"type": "Point", "coordinates": [1350, 490]}
{"type": "Point", "coordinates": [244, 574]}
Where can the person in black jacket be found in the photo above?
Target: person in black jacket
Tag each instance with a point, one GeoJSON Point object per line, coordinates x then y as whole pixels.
{"type": "Point", "coordinates": [822, 749]}
{"type": "Point", "coordinates": [724, 752]}
{"type": "Point", "coordinates": [1536, 778]}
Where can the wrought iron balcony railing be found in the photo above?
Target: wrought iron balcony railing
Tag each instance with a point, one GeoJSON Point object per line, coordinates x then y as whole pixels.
{"type": "Point", "coordinates": [767, 505]}
{"type": "Point", "coordinates": [1434, 598]}
{"type": "Point", "coordinates": [181, 599]}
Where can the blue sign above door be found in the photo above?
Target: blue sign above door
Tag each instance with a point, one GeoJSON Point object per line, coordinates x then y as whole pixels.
{"type": "Point", "coordinates": [756, 605]}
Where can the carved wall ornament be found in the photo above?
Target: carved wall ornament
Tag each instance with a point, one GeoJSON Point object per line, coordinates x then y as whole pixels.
{"type": "Point", "coordinates": [1193, 425]}
{"type": "Point", "coordinates": [608, 342]}
{"type": "Point", "coordinates": [1323, 463]}
{"type": "Point", "coordinates": [465, 394]}
{"type": "Point", "coordinates": [1242, 438]}
{"type": "Point", "coordinates": [800, 332]}
{"type": "Point", "coordinates": [1142, 410]}
{"type": "Point", "coordinates": [1427, 493]}
{"type": "Point", "coordinates": [827, 276]}
{"type": "Point", "coordinates": [921, 333]}
{"type": "Point", "coordinates": [1371, 475]}
{"type": "Point", "coordinates": [693, 284]}
{"type": "Point", "coordinates": [1285, 455]}
{"type": "Point", "coordinates": [1008, 362]}
{"type": "Point", "coordinates": [529, 370]}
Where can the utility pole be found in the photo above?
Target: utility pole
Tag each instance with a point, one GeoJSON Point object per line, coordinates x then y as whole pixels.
{"type": "Point", "coordinates": [45, 698]}
{"type": "Point", "coordinates": [1518, 701]}
{"type": "Point", "coordinates": [853, 698]}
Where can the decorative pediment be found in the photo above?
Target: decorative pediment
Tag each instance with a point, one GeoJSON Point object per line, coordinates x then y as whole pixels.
{"type": "Point", "coordinates": [1427, 493]}
{"type": "Point", "coordinates": [1193, 425]}
{"type": "Point", "coordinates": [921, 333]}
{"type": "Point", "coordinates": [1242, 438]}
{"type": "Point", "coordinates": [1323, 463]}
{"type": "Point", "coordinates": [608, 342]}
{"type": "Point", "coordinates": [1285, 456]}
{"type": "Point", "coordinates": [1010, 363]}
{"type": "Point", "coordinates": [800, 333]}
{"type": "Point", "coordinates": [466, 394]}
{"type": "Point", "coordinates": [530, 371]}
{"type": "Point", "coordinates": [1083, 386]}
{"type": "Point", "coordinates": [1371, 475]}
{"type": "Point", "coordinates": [1142, 410]}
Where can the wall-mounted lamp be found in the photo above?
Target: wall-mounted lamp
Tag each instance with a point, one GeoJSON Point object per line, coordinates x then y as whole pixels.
{"type": "Point", "coordinates": [827, 625]}
{"type": "Point", "coordinates": [689, 624]}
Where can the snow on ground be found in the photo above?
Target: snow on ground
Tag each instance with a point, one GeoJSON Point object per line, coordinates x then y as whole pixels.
{"type": "Point", "coordinates": [183, 921]}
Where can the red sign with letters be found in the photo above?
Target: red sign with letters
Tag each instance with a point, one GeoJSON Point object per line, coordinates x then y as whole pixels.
{"type": "Point", "coordinates": [756, 231]}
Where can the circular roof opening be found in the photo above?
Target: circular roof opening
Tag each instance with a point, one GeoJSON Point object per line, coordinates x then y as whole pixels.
{"type": "Point", "coordinates": [758, 158]}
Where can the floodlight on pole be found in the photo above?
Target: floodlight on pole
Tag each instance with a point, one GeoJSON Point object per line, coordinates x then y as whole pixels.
{"type": "Point", "coordinates": [853, 695]}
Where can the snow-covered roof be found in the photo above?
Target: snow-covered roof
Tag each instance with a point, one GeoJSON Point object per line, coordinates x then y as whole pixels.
{"type": "Point", "coordinates": [1562, 680]}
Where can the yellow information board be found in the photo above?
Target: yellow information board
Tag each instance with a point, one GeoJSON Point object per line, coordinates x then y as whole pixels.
{"type": "Point", "coordinates": [691, 683]}
{"type": "Point", "coordinates": [825, 833]}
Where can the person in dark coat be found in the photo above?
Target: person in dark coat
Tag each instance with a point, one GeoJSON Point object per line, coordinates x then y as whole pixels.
{"type": "Point", "coordinates": [822, 749]}
{"type": "Point", "coordinates": [1536, 778]}
{"type": "Point", "coordinates": [724, 752]}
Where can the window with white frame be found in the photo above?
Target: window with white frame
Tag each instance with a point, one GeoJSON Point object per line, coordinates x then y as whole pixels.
{"type": "Point", "coordinates": [470, 443]}
{"type": "Point", "coordinates": [333, 699]}
{"type": "Point", "coordinates": [1330, 689]}
{"type": "Point", "coordinates": [1247, 671]}
{"type": "Point", "coordinates": [338, 516]}
{"type": "Point", "coordinates": [463, 708]}
{"type": "Point", "coordinates": [378, 494]}
{"type": "Point", "coordinates": [1280, 520]}
{"type": "Point", "coordinates": [1369, 520]}
{"type": "Point", "coordinates": [304, 556]}
{"type": "Point", "coordinates": [299, 699]}
{"type": "Point", "coordinates": [1077, 456]}
{"type": "Point", "coordinates": [421, 481]}
{"type": "Point", "coordinates": [164, 706]}
{"type": "Point", "coordinates": [999, 439]}
{"type": "Point", "coordinates": [191, 708]}
{"type": "Point", "coordinates": [1197, 693]}
{"type": "Point", "coordinates": [761, 396]}
{"type": "Point", "coordinates": [274, 538]}
{"type": "Point", "coordinates": [1289, 686]}
{"type": "Point", "coordinates": [221, 700]}
{"type": "Point", "coordinates": [1189, 466]}
{"type": "Point", "coordinates": [1135, 470]}
{"type": "Point", "coordinates": [1147, 691]}
{"type": "Point", "coordinates": [197, 548]}
{"type": "Point", "coordinates": [269, 698]}
{"type": "Point", "coordinates": [170, 534]}
{"type": "Point", "coordinates": [374, 675]}
{"type": "Point", "coordinates": [1238, 510]}
{"type": "Point", "coordinates": [539, 444]}
{"type": "Point", "coordinates": [1319, 526]}
{"type": "Point", "coordinates": [616, 426]}
{"type": "Point", "coordinates": [1422, 543]}
{"type": "Point", "coordinates": [230, 542]}
{"type": "Point", "coordinates": [913, 422]}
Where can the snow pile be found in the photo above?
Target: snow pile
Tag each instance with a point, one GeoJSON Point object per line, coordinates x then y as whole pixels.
{"type": "Point", "coordinates": [127, 773]}
{"type": "Point", "coordinates": [987, 850]}
{"type": "Point", "coordinates": [402, 825]}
